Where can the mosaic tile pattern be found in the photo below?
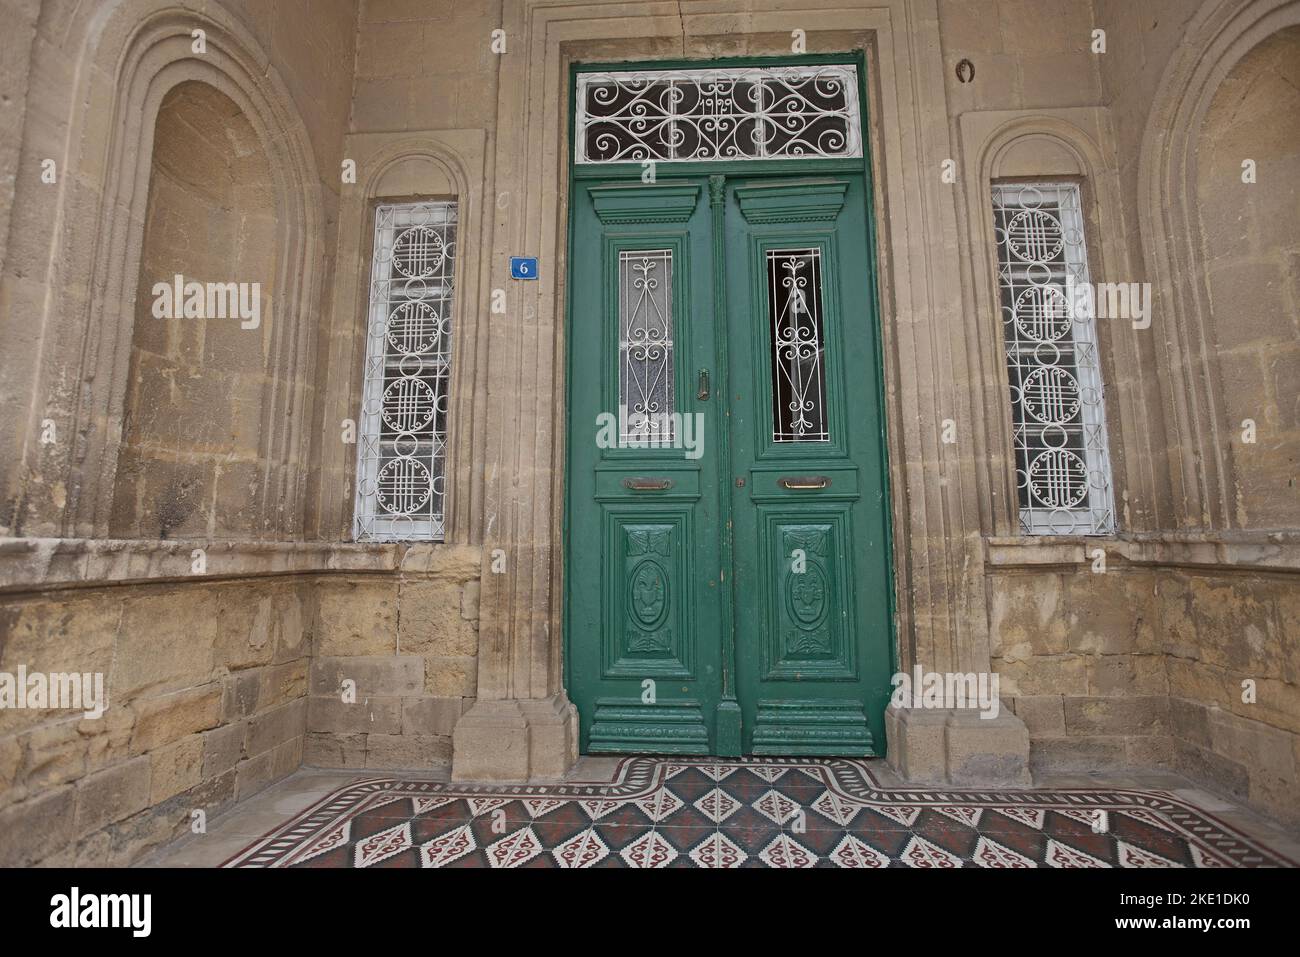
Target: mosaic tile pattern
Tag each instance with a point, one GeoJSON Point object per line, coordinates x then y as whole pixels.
{"type": "Point", "coordinates": [661, 812]}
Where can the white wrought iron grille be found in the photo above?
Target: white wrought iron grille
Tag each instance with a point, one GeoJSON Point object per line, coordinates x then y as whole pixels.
{"type": "Point", "coordinates": [794, 302]}
{"type": "Point", "coordinates": [718, 114]}
{"type": "Point", "coordinates": [1057, 404]}
{"type": "Point", "coordinates": [402, 439]}
{"type": "Point", "coordinates": [645, 348]}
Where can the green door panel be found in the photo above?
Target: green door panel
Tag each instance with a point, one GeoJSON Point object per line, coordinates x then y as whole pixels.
{"type": "Point", "coordinates": [813, 633]}
{"type": "Point", "coordinates": [642, 561]}
{"type": "Point", "coordinates": [733, 597]}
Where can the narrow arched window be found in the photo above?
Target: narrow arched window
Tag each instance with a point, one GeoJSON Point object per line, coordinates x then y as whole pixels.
{"type": "Point", "coordinates": [402, 432]}
{"type": "Point", "coordinates": [1049, 309]}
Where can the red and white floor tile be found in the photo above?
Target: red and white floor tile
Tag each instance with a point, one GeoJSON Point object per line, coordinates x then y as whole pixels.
{"type": "Point", "coordinates": [670, 812]}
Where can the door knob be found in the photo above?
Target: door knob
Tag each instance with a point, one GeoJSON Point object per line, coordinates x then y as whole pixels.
{"type": "Point", "coordinates": [703, 392]}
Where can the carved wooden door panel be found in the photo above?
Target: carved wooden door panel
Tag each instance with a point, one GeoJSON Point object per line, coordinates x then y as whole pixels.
{"type": "Point", "coordinates": [813, 615]}
{"type": "Point", "coordinates": [727, 566]}
{"type": "Point", "coordinates": [642, 566]}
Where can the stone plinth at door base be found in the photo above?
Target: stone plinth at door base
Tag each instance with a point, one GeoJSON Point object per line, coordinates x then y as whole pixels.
{"type": "Point", "coordinates": [957, 746]}
{"type": "Point", "coordinates": [515, 739]}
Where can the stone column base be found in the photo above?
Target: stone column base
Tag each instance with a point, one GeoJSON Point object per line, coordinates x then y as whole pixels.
{"type": "Point", "coordinates": [957, 746]}
{"type": "Point", "coordinates": [515, 740]}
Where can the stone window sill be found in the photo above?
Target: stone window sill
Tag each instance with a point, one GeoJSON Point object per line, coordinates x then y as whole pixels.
{"type": "Point", "coordinates": [34, 564]}
{"type": "Point", "coordinates": [1261, 550]}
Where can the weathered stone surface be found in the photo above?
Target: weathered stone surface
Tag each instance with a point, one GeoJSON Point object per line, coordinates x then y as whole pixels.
{"type": "Point", "coordinates": [1054, 674]}
{"type": "Point", "coordinates": [1043, 715]}
{"type": "Point", "coordinates": [1077, 754]}
{"type": "Point", "coordinates": [1026, 618]}
{"type": "Point", "coordinates": [1127, 675]}
{"type": "Point", "coordinates": [1087, 716]}
{"type": "Point", "coordinates": [254, 774]}
{"type": "Point", "coordinates": [469, 601]}
{"type": "Point", "coordinates": [223, 748]}
{"type": "Point", "coordinates": [112, 794]}
{"type": "Point", "coordinates": [367, 715]}
{"type": "Point", "coordinates": [272, 728]}
{"type": "Point", "coordinates": [283, 682]}
{"type": "Point", "coordinates": [432, 623]}
{"type": "Point", "coordinates": [56, 754]}
{"type": "Point", "coordinates": [356, 618]}
{"type": "Point", "coordinates": [426, 716]}
{"type": "Point", "coordinates": [335, 750]}
{"type": "Point", "coordinates": [36, 828]}
{"type": "Point", "coordinates": [52, 635]}
{"type": "Point", "coordinates": [382, 676]}
{"type": "Point", "coordinates": [166, 642]}
{"type": "Point", "coordinates": [451, 677]}
{"type": "Point", "coordinates": [175, 767]}
{"type": "Point", "coordinates": [11, 760]}
{"type": "Point", "coordinates": [984, 751]}
{"type": "Point", "coordinates": [917, 744]}
{"type": "Point", "coordinates": [170, 717]}
{"type": "Point", "coordinates": [413, 752]}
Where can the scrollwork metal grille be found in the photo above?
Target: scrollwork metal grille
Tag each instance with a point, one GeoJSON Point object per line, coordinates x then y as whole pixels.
{"type": "Point", "coordinates": [794, 302]}
{"type": "Point", "coordinates": [718, 114]}
{"type": "Point", "coordinates": [402, 436]}
{"type": "Point", "coordinates": [646, 390]}
{"type": "Point", "coordinates": [1058, 409]}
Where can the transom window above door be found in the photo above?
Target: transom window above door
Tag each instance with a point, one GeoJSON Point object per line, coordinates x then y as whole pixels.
{"type": "Point", "coordinates": [749, 113]}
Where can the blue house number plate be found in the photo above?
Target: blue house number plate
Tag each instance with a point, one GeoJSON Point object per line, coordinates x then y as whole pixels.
{"type": "Point", "coordinates": [523, 267]}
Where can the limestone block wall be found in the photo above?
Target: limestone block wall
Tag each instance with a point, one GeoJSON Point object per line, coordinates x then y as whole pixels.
{"type": "Point", "coordinates": [206, 684]}
{"type": "Point", "coordinates": [1222, 628]}
{"type": "Point", "coordinates": [221, 681]}
{"type": "Point", "coordinates": [1159, 661]}
{"type": "Point", "coordinates": [1080, 661]}
{"type": "Point", "coordinates": [394, 664]}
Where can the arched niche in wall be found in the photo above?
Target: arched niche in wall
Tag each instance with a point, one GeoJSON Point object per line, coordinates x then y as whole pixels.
{"type": "Point", "coordinates": [192, 459]}
{"type": "Point", "coordinates": [1249, 219]}
{"type": "Point", "coordinates": [1209, 487]}
{"type": "Point", "coordinates": [137, 53]}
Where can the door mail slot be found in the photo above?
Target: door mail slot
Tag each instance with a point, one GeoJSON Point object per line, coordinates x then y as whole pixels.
{"type": "Point", "coordinates": [803, 481]}
{"type": "Point", "coordinates": [648, 484]}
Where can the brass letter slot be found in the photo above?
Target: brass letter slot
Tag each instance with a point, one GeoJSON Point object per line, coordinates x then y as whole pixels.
{"type": "Point", "coordinates": [803, 481]}
{"type": "Point", "coordinates": [647, 484]}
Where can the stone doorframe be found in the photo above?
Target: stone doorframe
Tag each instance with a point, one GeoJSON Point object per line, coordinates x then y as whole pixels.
{"type": "Point", "coordinates": [522, 725]}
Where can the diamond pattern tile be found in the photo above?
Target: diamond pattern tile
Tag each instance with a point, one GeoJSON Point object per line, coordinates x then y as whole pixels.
{"type": "Point", "coordinates": [770, 812]}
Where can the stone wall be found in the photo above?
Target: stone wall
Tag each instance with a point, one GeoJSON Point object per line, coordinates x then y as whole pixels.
{"type": "Point", "coordinates": [219, 681]}
{"type": "Point", "coordinates": [206, 684]}
{"type": "Point", "coordinates": [1187, 661]}
{"type": "Point", "coordinates": [394, 664]}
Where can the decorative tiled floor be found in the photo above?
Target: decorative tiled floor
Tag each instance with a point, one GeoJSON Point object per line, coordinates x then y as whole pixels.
{"type": "Point", "coordinates": [664, 812]}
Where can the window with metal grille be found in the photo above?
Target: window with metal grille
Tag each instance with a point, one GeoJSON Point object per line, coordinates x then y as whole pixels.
{"type": "Point", "coordinates": [1058, 412]}
{"type": "Point", "coordinates": [402, 438]}
{"type": "Point", "coordinates": [746, 113]}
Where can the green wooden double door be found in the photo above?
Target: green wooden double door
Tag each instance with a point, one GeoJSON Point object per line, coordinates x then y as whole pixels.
{"type": "Point", "coordinates": [727, 558]}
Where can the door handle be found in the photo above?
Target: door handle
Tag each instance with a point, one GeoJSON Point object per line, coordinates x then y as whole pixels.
{"type": "Point", "coordinates": [803, 481]}
{"type": "Point", "coordinates": [703, 393]}
{"type": "Point", "coordinates": [647, 484]}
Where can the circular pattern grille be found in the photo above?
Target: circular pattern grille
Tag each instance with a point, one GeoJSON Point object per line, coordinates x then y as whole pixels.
{"type": "Point", "coordinates": [418, 252]}
{"type": "Point", "coordinates": [1034, 236]}
{"type": "Point", "coordinates": [1058, 478]}
{"type": "Point", "coordinates": [414, 327]}
{"type": "Point", "coordinates": [409, 405]}
{"type": "Point", "coordinates": [404, 486]}
{"type": "Point", "coordinates": [1041, 313]}
{"type": "Point", "coordinates": [1051, 395]}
